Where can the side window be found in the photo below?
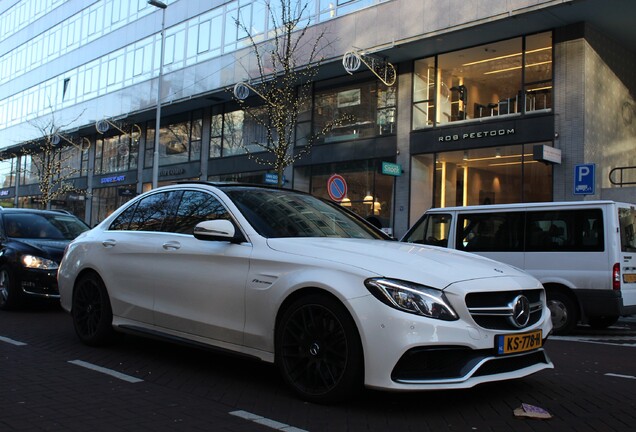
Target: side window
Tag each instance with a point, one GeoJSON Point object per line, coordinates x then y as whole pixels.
{"type": "Point", "coordinates": [195, 207]}
{"type": "Point", "coordinates": [433, 229]}
{"type": "Point", "coordinates": [122, 222]}
{"type": "Point", "coordinates": [154, 212]}
{"type": "Point", "coordinates": [565, 231]}
{"type": "Point", "coordinates": [490, 232]}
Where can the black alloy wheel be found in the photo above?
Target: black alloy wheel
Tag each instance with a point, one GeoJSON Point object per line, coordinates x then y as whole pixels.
{"type": "Point", "coordinates": [318, 349]}
{"type": "Point", "coordinates": [91, 311]}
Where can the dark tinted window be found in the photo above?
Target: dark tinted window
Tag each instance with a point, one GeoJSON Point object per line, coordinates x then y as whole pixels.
{"type": "Point", "coordinates": [43, 226]}
{"type": "Point", "coordinates": [278, 213]}
{"type": "Point", "coordinates": [195, 207]}
{"type": "Point", "coordinates": [122, 222]}
{"type": "Point", "coordinates": [566, 230]}
{"type": "Point", "coordinates": [152, 213]}
{"type": "Point", "coordinates": [490, 232]}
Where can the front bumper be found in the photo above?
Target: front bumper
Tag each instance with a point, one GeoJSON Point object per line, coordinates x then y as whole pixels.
{"type": "Point", "coordinates": [408, 352]}
{"type": "Point", "coordinates": [38, 283]}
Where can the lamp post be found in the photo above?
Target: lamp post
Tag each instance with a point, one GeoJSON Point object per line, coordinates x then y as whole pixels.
{"type": "Point", "coordinates": [155, 159]}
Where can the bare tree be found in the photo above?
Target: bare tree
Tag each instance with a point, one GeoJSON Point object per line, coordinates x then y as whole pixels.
{"type": "Point", "coordinates": [287, 63]}
{"type": "Point", "coordinates": [55, 159]}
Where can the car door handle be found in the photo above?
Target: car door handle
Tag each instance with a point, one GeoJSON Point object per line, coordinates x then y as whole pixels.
{"type": "Point", "coordinates": [172, 245]}
{"type": "Point", "coordinates": [109, 243]}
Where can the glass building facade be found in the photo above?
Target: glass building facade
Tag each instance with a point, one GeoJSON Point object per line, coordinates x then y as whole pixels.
{"type": "Point", "coordinates": [460, 126]}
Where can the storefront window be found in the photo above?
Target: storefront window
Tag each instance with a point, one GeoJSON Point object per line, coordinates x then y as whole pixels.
{"type": "Point", "coordinates": [117, 153]}
{"type": "Point", "coordinates": [73, 162]}
{"type": "Point", "coordinates": [492, 175]}
{"type": "Point", "coordinates": [29, 169]}
{"type": "Point", "coordinates": [7, 172]}
{"type": "Point", "coordinates": [369, 193]}
{"type": "Point", "coordinates": [369, 109]}
{"type": "Point", "coordinates": [502, 78]}
{"type": "Point", "coordinates": [245, 131]}
{"type": "Point", "coordinates": [105, 201]}
{"type": "Point", "coordinates": [179, 142]}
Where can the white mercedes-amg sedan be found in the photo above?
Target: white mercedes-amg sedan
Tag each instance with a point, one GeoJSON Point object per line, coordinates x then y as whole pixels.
{"type": "Point", "coordinates": [288, 278]}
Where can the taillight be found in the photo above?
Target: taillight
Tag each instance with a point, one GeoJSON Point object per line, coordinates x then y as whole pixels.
{"type": "Point", "coordinates": [616, 277]}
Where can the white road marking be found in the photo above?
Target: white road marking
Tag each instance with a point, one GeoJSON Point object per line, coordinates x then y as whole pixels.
{"type": "Point", "coordinates": [621, 376]}
{"type": "Point", "coordinates": [106, 371]}
{"type": "Point", "coordinates": [266, 422]}
{"type": "Point", "coordinates": [11, 341]}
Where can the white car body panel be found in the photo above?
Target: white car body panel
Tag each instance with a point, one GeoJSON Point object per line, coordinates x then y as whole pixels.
{"type": "Point", "coordinates": [234, 292]}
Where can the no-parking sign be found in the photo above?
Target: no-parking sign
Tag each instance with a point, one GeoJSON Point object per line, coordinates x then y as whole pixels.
{"type": "Point", "coordinates": [337, 187]}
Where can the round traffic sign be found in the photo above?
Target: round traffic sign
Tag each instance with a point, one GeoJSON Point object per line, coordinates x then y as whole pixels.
{"type": "Point", "coordinates": [337, 187]}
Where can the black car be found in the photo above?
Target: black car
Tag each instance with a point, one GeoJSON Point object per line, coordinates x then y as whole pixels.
{"type": "Point", "coordinates": [31, 246]}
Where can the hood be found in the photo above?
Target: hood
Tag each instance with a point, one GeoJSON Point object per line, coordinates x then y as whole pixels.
{"type": "Point", "coordinates": [50, 249]}
{"type": "Point", "coordinates": [432, 266]}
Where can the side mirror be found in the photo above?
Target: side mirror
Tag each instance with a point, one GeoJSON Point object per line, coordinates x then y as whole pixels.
{"type": "Point", "coordinates": [218, 230]}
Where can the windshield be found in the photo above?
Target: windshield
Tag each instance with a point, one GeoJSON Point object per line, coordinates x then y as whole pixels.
{"type": "Point", "coordinates": [278, 213]}
{"type": "Point", "coordinates": [627, 221]}
{"type": "Point", "coordinates": [43, 226]}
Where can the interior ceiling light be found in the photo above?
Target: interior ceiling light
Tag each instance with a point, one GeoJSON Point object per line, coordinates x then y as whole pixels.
{"type": "Point", "coordinates": [506, 56]}
{"type": "Point", "coordinates": [517, 67]}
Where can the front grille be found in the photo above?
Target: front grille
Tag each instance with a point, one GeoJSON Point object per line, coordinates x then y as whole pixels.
{"type": "Point", "coordinates": [493, 310]}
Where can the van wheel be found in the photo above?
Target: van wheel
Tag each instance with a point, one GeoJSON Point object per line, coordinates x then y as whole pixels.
{"type": "Point", "coordinates": [602, 322]}
{"type": "Point", "coordinates": [563, 312]}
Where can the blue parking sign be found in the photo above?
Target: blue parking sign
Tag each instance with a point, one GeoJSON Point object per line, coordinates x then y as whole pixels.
{"type": "Point", "coordinates": [584, 176]}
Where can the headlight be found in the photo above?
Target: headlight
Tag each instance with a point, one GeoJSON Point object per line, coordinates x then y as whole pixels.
{"type": "Point", "coordinates": [412, 298]}
{"type": "Point", "coordinates": [35, 262]}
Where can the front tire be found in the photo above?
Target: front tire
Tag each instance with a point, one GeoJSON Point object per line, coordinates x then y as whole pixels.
{"type": "Point", "coordinates": [91, 311]}
{"type": "Point", "coordinates": [318, 349]}
{"type": "Point", "coordinates": [563, 312]}
{"type": "Point", "coordinates": [10, 297]}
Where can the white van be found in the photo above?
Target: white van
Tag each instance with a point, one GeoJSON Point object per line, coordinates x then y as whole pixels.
{"type": "Point", "coordinates": [584, 252]}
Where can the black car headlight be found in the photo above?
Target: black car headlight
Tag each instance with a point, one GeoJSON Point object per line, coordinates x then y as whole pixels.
{"type": "Point", "coordinates": [412, 298]}
{"type": "Point", "coordinates": [36, 262]}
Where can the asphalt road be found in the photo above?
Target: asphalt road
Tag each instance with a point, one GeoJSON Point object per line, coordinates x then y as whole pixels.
{"type": "Point", "coordinates": [51, 382]}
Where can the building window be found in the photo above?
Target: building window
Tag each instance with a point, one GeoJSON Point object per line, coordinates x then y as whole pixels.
{"type": "Point", "coordinates": [510, 77]}
{"type": "Point", "coordinates": [369, 109]}
{"type": "Point", "coordinates": [492, 175]}
{"type": "Point", "coordinates": [7, 172]}
{"type": "Point", "coordinates": [117, 153]}
{"type": "Point", "coordinates": [179, 142]}
{"type": "Point", "coordinates": [235, 132]}
{"type": "Point", "coordinates": [369, 193]}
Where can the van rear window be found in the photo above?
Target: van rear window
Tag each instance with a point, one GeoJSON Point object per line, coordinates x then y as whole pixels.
{"type": "Point", "coordinates": [627, 222]}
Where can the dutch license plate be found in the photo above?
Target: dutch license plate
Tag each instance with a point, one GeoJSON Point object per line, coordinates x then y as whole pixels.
{"type": "Point", "coordinates": [516, 343]}
{"type": "Point", "coordinates": [629, 278]}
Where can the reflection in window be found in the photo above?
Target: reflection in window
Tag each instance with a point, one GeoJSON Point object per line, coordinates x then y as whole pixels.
{"type": "Point", "coordinates": [197, 207]}
{"type": "Point", "coordinates": [117, 153]}
{"type": "Point", "coordinates": [245, 130]}
{"type": "Point", "coordinates": [502, 78]}
{"type": "Point", "coordinates": [178, 143]}
{"type": "Point", "coordinates": [370, 107]}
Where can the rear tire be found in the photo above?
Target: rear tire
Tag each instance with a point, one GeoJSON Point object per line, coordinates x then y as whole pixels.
{"type": "Point", "coordinates": [91, 311]}
{"type": "Point", "coordinates": [563, 312]}
{"type": "Point", "coordinates": [318, 349]}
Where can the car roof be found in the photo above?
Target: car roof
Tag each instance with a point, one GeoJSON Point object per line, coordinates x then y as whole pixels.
{"type": "Point", "coordinates": [28, 210]}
